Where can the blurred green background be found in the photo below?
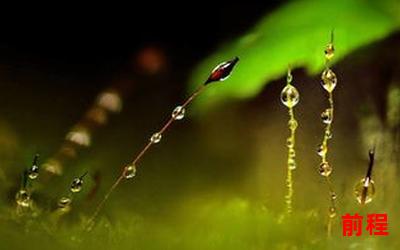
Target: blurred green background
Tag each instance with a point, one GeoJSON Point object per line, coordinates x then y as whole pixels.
{"type": "Point", "coordinates": [217, 179]}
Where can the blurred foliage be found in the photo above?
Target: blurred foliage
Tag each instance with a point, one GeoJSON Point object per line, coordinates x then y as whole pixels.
{"type": "Point", "coordinates": [296, 34]}
{"type": "Point", "coordinates": [216, 224]}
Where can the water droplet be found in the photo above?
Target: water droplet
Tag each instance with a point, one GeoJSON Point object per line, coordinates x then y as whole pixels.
{"type": "Point", "coordinates": [292, 153]}
{"type": "Point", "coordinates": [332, 212]}
{"type": "Point", "coordinates": [364, 191]}
{"type": "Point", "coordinates": [329, 80]}
{"type": "Point", "coordinates": [328, 134]}
{"type": "Point", "coordinates": [33, 172]}
{"type": "Point", "coordinates": [130, 171]}
{"type": "Point", "coordinates": [322, 150]}
{"type": "Point", "coordinates": [156, 138]}
{"type": "Point", "coordinates": [325, 169]}
{"type": "Point", "coordinates": [292, 124]}
{"type": "Point", "coordinates": [64, 202]}
{"type": "Point", "coordinates": [289, 142]}
{"type": "Point", "coordinates": [23, 198]}
{"type": "Point", "coordinates": [178, 113]}
{"type": "Point", "coordinates": [333, 196]}
{"type": "Point", "coordinates": [329, 51]}
{"type": "Point", "coordinates": [290, 96]}
{"type": "Point", "coordinates": [76, 185]}
{"type": "Point", "coordinates": [222, 71]}
{"type": "Point", "coordinates": [291, 164]}
{"type": "Point", "coordinates": [327, 116]}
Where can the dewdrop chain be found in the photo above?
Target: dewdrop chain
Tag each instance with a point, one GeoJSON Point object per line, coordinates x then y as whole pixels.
{"type": "Point", "coordinates": [328, 82]}
{"type": "Point", "coordinates": [64, 203]}
{"type": "Point", "coordinates": [290, 97]}
{"type": "Point", "coordinates": [364, 190]}
{"type": "Point", "coordinates": [23, 197]}
{"type": "Point", "coordinates": [129, 171]}
{"type": "Point", "coordinates": [220, 73]}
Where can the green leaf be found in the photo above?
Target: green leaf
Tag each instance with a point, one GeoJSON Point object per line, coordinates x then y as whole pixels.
{"type": "Point", "coordinates": [295, 34]}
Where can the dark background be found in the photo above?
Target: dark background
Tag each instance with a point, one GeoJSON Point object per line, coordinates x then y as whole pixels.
{"type": "Point", "coordinates": [91, 42]}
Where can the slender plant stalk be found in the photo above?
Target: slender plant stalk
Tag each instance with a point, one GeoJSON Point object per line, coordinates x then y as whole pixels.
{"type": "Point", "coordinates": [220, 73]}
{"type": "Point", "coordinates": [328, 82]}
{"type": "Point", "coordinates": [23, 197]}
{"type": "Point", "coordinates": [290, 97]}
{"type": "Point", "coordinates": [64, 203]}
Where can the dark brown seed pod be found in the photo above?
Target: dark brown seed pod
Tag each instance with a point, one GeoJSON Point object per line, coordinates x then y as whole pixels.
{"type": "Point", "coordinates": [222, 71]}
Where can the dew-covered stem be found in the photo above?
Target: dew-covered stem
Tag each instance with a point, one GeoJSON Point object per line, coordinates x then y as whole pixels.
{"type": "Point", "coordinates": [290, 97]}
{"type": "Point", "coordinates": [220, 73]}
{"type": "Point", "coordinates": [23, 197]}
{"type": "Point", "coordinates": [328, 82]}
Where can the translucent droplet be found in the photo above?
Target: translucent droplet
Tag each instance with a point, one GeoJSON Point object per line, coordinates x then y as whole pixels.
{"type": "Point", "coordinates": [332, 212]}
{"type": "Point", "coordinates": [329, 51]}
{"type": "Point", "coordinates": [291, 164]}
{"type": "Point", "coordinates": [328, 134]}
{"type": "Point", "coordinates": [327, 116]}
{"type": "Point", "coordinates": [178, 113]}
{"type": "Point", "coordinates": [130, 171]}
{"type": "Point", "coordinates": [64, 202]}
{"type": "Point", "coordinates": [325, 169]}
{"type": "Point", "coordinates": [329, 80]}
{"type": "Point", "coordinates": [156, 138]}
{"type": "Point", "coordinates": [322, 150]}
{"type": "Point", "coordinates": [290, 96]}
{"type": "Point", "coordinates": [76, 185]}
{"type": "Point", "coordinates": [292, 153]}
{"type": "Point", "coordinates": [292, 124]}
{"type": "Point", "coordinates": [333, 196]}
{"type": "Point", "coordinates": [33, 172]}
{"type": "Point", "coordinates": [23, 198]}
{"type": "Point", "coordinates": [364, 191]}
{"type": "Point", "coordinates": [289, 142]}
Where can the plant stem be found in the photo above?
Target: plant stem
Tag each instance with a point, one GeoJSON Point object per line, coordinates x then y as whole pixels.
{"type": "Point", "coordinates": [138, 157]}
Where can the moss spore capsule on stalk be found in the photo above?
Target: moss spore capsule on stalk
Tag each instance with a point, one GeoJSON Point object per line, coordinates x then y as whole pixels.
{"type": "Point", "coordinates": [220, 73]}
{"type": "Point", "coordinates": [364, 190]}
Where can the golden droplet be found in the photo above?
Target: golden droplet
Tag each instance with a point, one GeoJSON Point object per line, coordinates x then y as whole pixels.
{"type": "Point", "coordinates": [325, 169]}
{"type": "Point", "coordinates": [33, 172]}
{"type": "Point", "coordinates": [329, 51]}
{"type": "Point", "coordinates": [130, 171]}
{"type": "Point", "coordinates": [292, 124]}
{"type": "Point", "coordinates": [364, 191]}
{"type": "Point", "coordinates": [292, 153]}
{"type": "Point", "coordinates": [178, 113]}
{"type": "Point", "coordinates": [329, 80]}
{"type": "Point", "coordinates": [23, 198]}
{"type": "Point", "coordinates": [64, 202]}
{"type": "Point", "coordinates": [327, 116]}
{"type": "Point", "coordinates": [332, 212]}
{"type": "Point", "coordinates": [156, 138]}
{"type": "Point", "coordinates": [76, 185]}
{"type": "Point", "coordinates": [290, 96]}
{"type": "Point", "coordinates": [291, 164]}
{"type": "Point", "coordinates": [322, 150]}
{"type": "Point", "coordinates": [289, 142]}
